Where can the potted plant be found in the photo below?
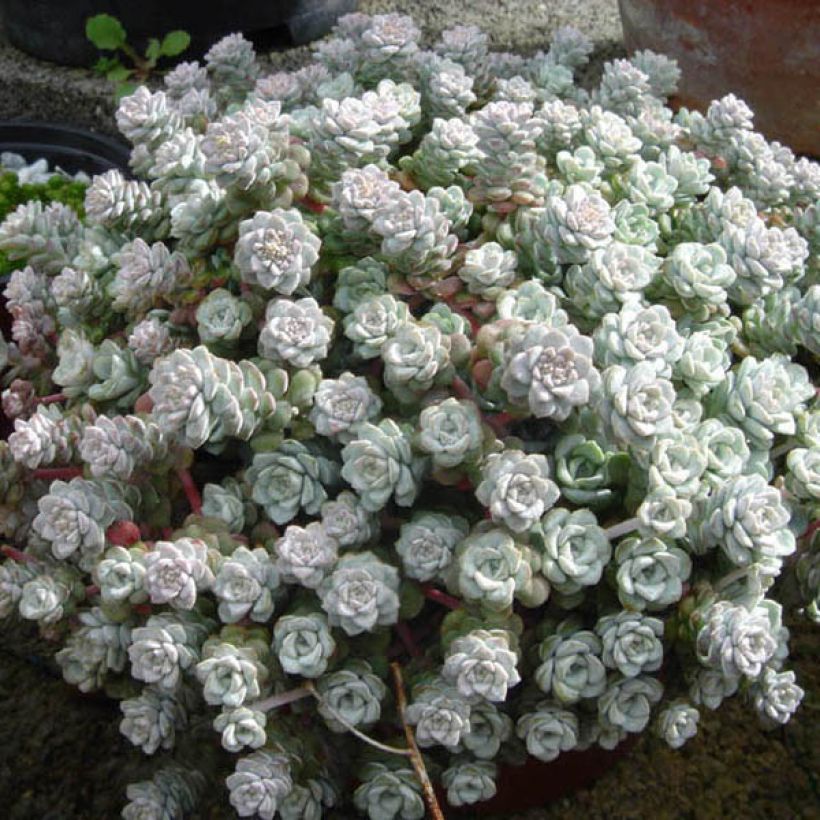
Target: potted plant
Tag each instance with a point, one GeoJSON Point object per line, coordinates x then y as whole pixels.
{"type": "Point", "coordinates": [766, 51]}
{"type": "Point", "coordinates": [418, 416]}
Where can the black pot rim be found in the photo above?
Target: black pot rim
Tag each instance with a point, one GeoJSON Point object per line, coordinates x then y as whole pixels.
{"type": "Point", "coordinates": [68, 146]}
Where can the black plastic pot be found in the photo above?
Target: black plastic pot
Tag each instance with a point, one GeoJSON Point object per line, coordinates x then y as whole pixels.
{"type": "Point", "coordinates": [72, 149]}
{"type": "Point", "coordinates": [64, 146]}
{"type": "Point", "coordinates": [54, 30]}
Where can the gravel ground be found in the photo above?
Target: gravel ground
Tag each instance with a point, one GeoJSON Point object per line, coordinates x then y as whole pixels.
{"type": "Point", "coordinates": [37, 90]}
{"type": "Point", "coordinates": [61, 756]}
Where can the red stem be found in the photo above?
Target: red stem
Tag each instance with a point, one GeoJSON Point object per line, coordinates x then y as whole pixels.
{"type": "Point", "coordinates": [475, 324]}
{"type": "Point", "coordinates": [91, 590]}
{"type": "Point", "coordinates": [123, 533]}
{"type": "Point", "coordinates": [811, 529]}
{"type": "Point", "coordinates": [433, 594]}
{"type": "Point", "coordinates": [55, 473]}
{"type": "Point", "coordinates": [405, 633]}
{"type": "Point", "coordinates": [312, 205]}
{"type": "Point", "coordinates": [499, 422]}
{"type": "Point", "coordinates": [54, 398]}
{"type": "Point", "coordinates": [462, 389]}
{"type": "Point", "coordinates": [17, 555]}
{"type": "Point", "coordinates": [191, 490]}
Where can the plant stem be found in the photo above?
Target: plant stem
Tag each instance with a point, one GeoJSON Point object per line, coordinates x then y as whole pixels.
{"type": "Point", "coordinates": [624, 527]}
{"type": "Point", "coordinates": [433, 594]}
{"type": "Point", "coordinates": [282, 699]}
{"type": "Point", "coordinates": [415, 755]}
{"type": "Point", "coordinates": [191, 490]}
{"type": "Point", "coordinates": [312, 205]}
{"type": "Point", "coordinates": [462, 389]}
{"type": "Point", "coordinates": [57, 473]}
{"type": "Point", "coordinates": [393, 750]}
{"type": "Point", "coordinates": [18, 555]}
{"type": "Point", "coordinates": [54, 398]}
{"type": "Point", "coordinates": [730, 578]}
{"type": "Point", "coordinates": [776, 452]}
{"type": "Point", "coordinates": [406, 635]}
{"type": "Point", "coordinates": [811, 529]}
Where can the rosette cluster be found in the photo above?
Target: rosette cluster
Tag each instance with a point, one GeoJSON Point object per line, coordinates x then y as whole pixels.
{"type": "Point", "coordinates": [420, 355]}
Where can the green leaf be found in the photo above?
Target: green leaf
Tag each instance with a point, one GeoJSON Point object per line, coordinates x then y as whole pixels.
{"type": "Point", "coordinates": [118, 73]}
{"type": "Point", "coordinates": [153, 51]}
{"type": "Point", "coordinates": [124, 89]}
{"type": "Point", "coordinates": [105, 31]}
{"type": "Point", "coordinates": [411, 600]}
{"type": "Point", "coordinates": [106, 64]}
{"type": "Point", "coordinates": [175, 42]}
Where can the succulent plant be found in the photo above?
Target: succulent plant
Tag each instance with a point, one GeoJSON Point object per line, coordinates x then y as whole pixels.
{"type": "Point", "coordinates": [303, 643]}
{"type": "Point", "coordinates": [420, 366]}
{"type": "Point", "coordinates": [548, 731]}
{"type": "Point", "coordinates": [362, 591]}
{"type": "Point", "coordinates": [482, 665]}
{"type": "Point", "coordinates": [571, 668]}
{"type": "Point", "coordinates": [387, 793]}
{"type": "Point", "coordinates": [650, 573]}
{"type": "Point", "coordinates": [516, 489]}
{"type": "Point", "coordinates": [352, 694]}
{"type": "Point", "coordinates": [550, 371]}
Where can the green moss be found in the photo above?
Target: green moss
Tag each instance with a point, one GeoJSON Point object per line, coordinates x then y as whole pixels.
{"type": "Point", "coordinates": [57, 189]}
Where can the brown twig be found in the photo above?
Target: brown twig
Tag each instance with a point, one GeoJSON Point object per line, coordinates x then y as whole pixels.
{"type": "Point", "coordinates": [415, 755]}
{"type": "Point", "coordinates": [393, 750]}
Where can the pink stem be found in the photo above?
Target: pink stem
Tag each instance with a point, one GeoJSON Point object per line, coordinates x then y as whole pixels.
{"type": "Point", "coordinates": [91, 590]}
{"type": "Point", "coordinates": [55, 473]}
{"type": "Point", "coordinates": [811, 529]}
{"type": "Point", "coordinates": [54, 398]}
{"type": "Point", "coordinates": [191, 490]}
{"type": "Point", "coordinates": [461, 388]}
{"type": "Point", "coordinates": [17, 555]}
{"type": "Point", "coordinates": [433, 594]}
{"type": "Point", "coordinates": [405, 633]}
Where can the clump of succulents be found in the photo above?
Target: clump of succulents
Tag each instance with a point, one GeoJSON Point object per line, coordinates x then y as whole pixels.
{"type": "Point", "coordinates": [414, 390]}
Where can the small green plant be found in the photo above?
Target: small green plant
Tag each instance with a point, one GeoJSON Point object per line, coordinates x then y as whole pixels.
{"type": "Point", "coordinates": [107, 33]}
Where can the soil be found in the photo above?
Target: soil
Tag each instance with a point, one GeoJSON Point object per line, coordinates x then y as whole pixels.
{"type": "Point", "coordinates": [62, 756]}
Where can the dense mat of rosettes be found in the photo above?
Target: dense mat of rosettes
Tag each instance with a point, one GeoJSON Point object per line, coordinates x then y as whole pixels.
{"type": "Point", "coordinates": [475, 370]}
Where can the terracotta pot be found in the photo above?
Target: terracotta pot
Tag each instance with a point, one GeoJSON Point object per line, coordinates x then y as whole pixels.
{"type": "Point", "coordinates": [535, 784]}
{"type": "Point", "coordinates": [765, 51]}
